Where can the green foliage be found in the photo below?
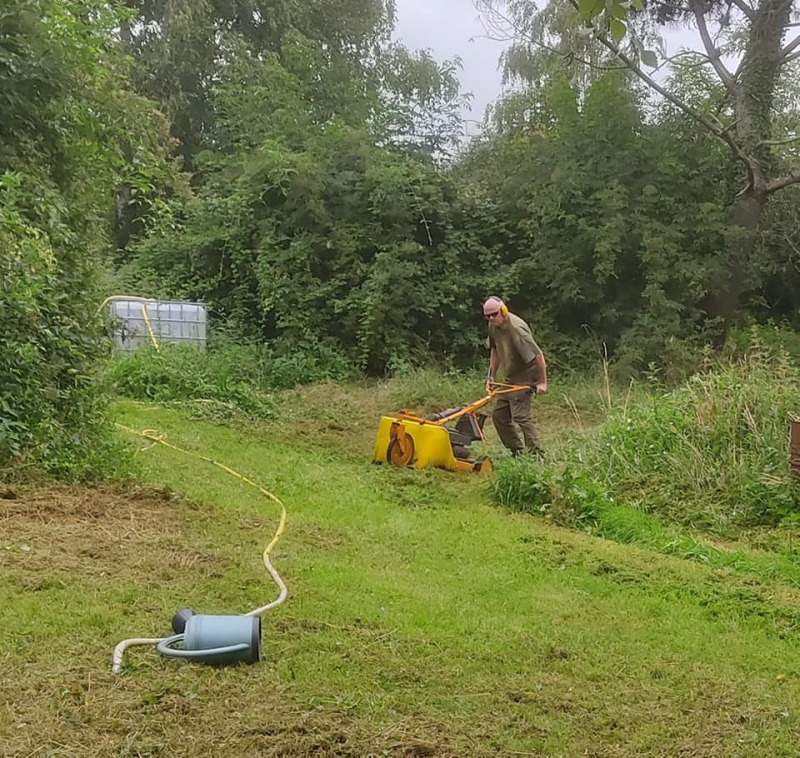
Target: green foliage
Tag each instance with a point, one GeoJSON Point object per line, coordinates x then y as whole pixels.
{"type": "Point", "coordinates": [342, 241]}
{"type": "Point", "coordinates": [181, 46]}
{"type": "Point", "coordinates": [712, 453]}
{"type": "Point", "coordinates": [186, 374]}
{"type": "Point", "coordinates": [323, 220]}
{"type": "Point", "coordinates": [226, 379]}
{"type": "Point", "coordinates": [66, 120]}
{"type": "Point", "coordinates": [598, 234]}
{"type": "Point", "coordinates": [749, 337]}
{"type": "Point", "coordinates": [52, 408]}
{"type": "Point", "coordinates": [594, 222]}
{"type": "Point", "coordinates": [319, 214]}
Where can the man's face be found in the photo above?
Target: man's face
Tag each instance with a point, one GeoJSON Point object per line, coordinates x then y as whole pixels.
{"type": "Point", "coordinates": [492, 312]}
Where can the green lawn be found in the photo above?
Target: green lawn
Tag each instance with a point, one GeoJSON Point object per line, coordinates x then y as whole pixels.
{"type": "Point", "coordinates": [422, 620]}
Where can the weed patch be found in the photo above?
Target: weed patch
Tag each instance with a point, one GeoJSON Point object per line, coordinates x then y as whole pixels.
{"type": "Point", "coordinates": [187, 376]}
{"type": "Point", "coordinates": [711, 453]}
{"type": "Point", "coordinates": [710, 456]}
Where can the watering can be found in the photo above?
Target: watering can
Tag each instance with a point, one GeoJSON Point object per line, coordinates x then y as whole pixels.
{"type": "Point", "coordinates": [215, 640]}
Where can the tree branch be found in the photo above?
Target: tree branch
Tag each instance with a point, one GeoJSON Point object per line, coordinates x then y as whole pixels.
{"type": "Point", "coordinates": [548, 48]}
{"type": "Point", "coordinates": [750, 163]}
{"type": "Point", "coordinates": [713, 53]}
{"type": "Point", "coordinates": [744, 8]}
{"type": "Point", "coordinates": [681, 54]}
{"type": "Point", "coordinates": [786, 141]}
{"type": "Point", "coordinates": [791, 46]}
{"type": "Point", "coordinates": [598, 66]}
{"type": "Point", "coordinates": [784, 181]}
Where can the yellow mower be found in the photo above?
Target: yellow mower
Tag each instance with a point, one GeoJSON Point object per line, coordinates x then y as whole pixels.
{"type": "Point", "coordinates": [441, 439]}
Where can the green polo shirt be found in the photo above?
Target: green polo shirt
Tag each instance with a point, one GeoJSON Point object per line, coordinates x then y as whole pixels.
{"type": "Point", "coordinates": [516, 350]}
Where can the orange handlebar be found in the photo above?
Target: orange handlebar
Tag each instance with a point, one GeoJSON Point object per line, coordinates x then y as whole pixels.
{"type": "Point", "coordinates": [499, 388]}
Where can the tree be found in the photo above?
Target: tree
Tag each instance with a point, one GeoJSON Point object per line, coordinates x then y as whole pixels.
{"type": "Point", "coordinates": [181, 45]}
{"type": "Point", "coordinates": [67, 116]}
{"type": "Point", "coordinates": [745, 120]}
{"type": "Point", "coordinates": [604, 216]}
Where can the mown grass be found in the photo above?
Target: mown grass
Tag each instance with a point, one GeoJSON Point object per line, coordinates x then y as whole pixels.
{"type": "Point", "coordinates": [422, 619]}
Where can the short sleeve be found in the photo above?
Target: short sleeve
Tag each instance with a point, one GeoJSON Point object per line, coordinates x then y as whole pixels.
{"type": "Point", "coordinates": [526, 346]}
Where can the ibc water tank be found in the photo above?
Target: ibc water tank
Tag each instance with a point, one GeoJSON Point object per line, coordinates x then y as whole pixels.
{"type": "Point", "coordinates": [172, 321]}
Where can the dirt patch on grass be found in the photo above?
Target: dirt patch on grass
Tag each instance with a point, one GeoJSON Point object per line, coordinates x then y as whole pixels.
{"type": "Point", "coordinates": [120, 530]}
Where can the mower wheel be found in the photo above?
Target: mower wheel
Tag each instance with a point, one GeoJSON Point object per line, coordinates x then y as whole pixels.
{"type": "Point", "coordinates": [483, 465]}
{"type": "Point", "coordinates": [400, 452]}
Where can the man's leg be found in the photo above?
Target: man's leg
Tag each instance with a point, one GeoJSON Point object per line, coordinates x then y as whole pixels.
{"type": "Point", "coordinates": [503, 422]}
{"type": "Point", "coordinates": [520, 407]}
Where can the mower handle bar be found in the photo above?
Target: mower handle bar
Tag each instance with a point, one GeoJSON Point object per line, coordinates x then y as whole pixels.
{"type": "Point", "coordinates": [493, 389]}
{"type": "Point", "coordinates": [500, 388]}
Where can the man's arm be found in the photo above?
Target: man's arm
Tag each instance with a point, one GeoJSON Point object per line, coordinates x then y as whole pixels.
{"type": "Point", "coordinates": [541, 373]}
{"type": "Point", "coordinates": [494, 364]}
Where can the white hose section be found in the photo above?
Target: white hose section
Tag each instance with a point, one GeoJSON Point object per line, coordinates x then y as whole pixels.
{"type": "Point", "coordinates": [119, 651]}
{"type": "Point", "coordinates": [281, 586]}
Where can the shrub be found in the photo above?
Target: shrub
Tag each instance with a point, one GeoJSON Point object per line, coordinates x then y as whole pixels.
{"type": "Point", "coordinates": [51, 400]}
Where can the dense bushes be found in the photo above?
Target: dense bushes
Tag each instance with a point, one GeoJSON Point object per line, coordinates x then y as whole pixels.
{"type": "Point", "coordinates": [66, 127]}
{"type": "Point", "coordinates": [51, 406]}
{"type": "Point", "coordinates": [597, 226]}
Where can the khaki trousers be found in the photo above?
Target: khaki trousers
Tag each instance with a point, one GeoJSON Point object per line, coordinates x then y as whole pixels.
{"type": "Point", "coordinates": [511, 409]}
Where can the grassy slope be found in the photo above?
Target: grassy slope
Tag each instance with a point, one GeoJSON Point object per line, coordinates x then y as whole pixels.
{"type": "Point", "coordinates": [422, 620]}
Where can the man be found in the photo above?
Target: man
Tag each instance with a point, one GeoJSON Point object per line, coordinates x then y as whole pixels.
{"type": "Point", "coordinates": [514, 350]}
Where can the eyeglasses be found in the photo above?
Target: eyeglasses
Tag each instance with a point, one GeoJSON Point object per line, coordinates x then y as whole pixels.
{"type": "Point", "coordinates": [489, 316]}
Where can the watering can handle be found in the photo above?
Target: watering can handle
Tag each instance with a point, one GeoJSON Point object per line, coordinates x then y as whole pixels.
{"type": "Point", "coordinates": [164, 648]}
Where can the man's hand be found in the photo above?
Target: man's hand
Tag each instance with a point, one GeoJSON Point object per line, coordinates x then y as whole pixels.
{"type": "Point", "coordinates": [540, 388]}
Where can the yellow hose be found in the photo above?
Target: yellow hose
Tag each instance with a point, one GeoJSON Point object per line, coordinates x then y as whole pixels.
{"type": "Point", "coordinates": [143, 301]}
{"type": "Point", "coordinates": [156, 438]}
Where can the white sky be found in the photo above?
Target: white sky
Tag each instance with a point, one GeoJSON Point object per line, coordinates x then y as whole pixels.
{"type": "Point", "coordinates": [450, 28]}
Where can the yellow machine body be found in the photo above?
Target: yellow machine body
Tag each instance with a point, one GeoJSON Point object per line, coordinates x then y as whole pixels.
{"type": "Point", "coordinates": [409, 440]}
{"type": "Point", "coordinates": [431, 446]}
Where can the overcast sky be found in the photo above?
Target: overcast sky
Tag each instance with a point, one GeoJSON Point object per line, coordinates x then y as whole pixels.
{"type": "Point", "coordinates": [450, 28]}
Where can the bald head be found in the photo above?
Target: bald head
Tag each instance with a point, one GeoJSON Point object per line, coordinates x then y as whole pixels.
{"type": "Point", "coordinates": [493, 311]}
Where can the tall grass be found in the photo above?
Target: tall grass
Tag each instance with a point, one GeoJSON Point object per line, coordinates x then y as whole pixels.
{"type": "Point", "coordinates": [178, 374]}
{"type": "Point", "coordinates": [711, 453]}
{"type": "Point", "coordinates": [225, 379]}
{"type": "Point", "coordinates": [571, 497]}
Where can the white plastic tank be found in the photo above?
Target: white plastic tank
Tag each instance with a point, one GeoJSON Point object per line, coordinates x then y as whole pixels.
{"type": "Point", "coordinates": [172, 321]}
